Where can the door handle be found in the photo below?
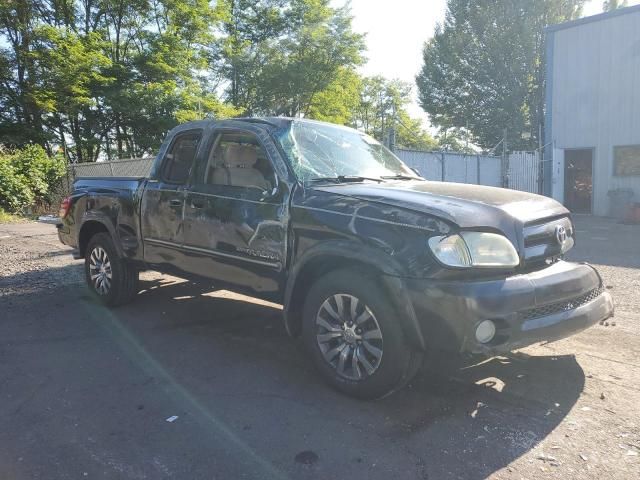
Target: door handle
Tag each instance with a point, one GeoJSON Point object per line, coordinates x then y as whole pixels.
{"type": "Point", "coordinates": [176, 202]}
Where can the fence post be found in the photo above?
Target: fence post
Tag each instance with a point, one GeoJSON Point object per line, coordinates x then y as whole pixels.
{"type": "Point", "coordinates": [477, 169]}
{"type": "Point", "coordinates": [442, 164]}
{"type": "Point", "coordinates": [540, 172]}
{"type": "Point", "coordinates": [111, 167]}
{"type": "Point", "coordinates": [505, 161]}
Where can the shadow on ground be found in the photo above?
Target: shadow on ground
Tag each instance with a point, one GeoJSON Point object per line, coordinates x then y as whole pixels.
{"type": "Point", "coordinates": [249, 403]}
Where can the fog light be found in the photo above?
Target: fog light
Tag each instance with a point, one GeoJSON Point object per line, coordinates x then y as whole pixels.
{"type": "Point", "coordinates": [485, 331]}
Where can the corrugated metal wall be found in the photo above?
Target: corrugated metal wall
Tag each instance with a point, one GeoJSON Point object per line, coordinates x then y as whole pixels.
{"type": "Point", "coordinates": [595, 97]}
{"type": "Point", "coordinates": [522, 172]}
{"type": "Point", "coordinates": [454, 167]}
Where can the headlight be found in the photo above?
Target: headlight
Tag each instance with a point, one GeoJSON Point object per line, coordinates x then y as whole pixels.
{"type": "Point", "coordinates": [474, 249]}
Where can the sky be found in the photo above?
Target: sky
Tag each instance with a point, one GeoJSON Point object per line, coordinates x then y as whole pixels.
{"type": "Point", "coordinates": [397, 30]}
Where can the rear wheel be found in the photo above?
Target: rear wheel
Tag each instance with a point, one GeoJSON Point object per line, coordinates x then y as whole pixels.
{"type": "Point", "coordinates": [354, 336]}
{"type": "Point", "coordinates": [112, 279]}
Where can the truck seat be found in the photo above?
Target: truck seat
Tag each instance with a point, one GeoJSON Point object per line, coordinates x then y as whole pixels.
{"type": "Point", "coordinates": [238, 168]}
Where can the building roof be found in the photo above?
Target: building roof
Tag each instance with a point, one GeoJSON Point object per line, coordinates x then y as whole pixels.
{"type": "Point", "coordinates": [593, 18]}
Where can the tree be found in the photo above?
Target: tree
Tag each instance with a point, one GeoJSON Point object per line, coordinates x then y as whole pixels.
{"type": "Point", "coordinates": [454, 140]}
{"type": "Point", "coordinates": [411, 134]}
{"type": "Point", "coordinates": [279, 56]}
{"type": "Point", "coordinates": [610, 5]}
{"type": "Point", "coordinates": [105, 77]}
{"type": "Point", "coordinates": [382, 107]}
{"type": "Point", "coordinates": [21, 117]}
{"type": "Point", "coordinates": [108, 78]}
{"type": "Point", "coordinates": [338, 102]}
{"type": "Point", "coordinates": [247, 25]}
{"type": "Point", "coordinates": [483, 69]}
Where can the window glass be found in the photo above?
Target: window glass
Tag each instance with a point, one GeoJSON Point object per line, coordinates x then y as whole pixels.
{"type": "Point", "coordinates": [180, 157]}
{"type": "Point", "coordinates": [238, 160]}
{"type": "Point", "coordinates": [317, 150]}
{"type": "Point", "coordinates": [626, 160]}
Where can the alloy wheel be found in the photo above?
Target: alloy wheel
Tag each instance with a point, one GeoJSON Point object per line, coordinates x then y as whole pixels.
{"type": "Point", "coordinates": [349, 337]}
{"type": "Point", "coordinates": [100, 270]}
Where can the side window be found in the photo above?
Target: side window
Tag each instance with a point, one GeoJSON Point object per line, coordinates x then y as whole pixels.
{"type": "Point", "coordinates": [179, 158]}
{"type": "Point", "coordinates": [238, 160]}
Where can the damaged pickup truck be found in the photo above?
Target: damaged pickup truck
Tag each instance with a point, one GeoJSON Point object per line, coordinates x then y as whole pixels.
{"type": "Point", "coordinates": [374, 265]}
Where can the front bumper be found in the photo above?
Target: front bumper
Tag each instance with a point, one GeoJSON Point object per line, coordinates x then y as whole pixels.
{"type": "Point", "coordinates": [546, 305]}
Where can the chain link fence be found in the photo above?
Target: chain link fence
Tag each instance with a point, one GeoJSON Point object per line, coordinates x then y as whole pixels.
{"type": "Point", "coordinates": [129, 167]}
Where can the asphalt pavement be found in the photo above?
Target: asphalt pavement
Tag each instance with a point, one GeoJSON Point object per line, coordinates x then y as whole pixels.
{"type": "Point", "coordinates": [190, 382]}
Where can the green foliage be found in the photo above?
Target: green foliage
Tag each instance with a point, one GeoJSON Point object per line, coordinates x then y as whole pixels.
{"type": "Point", "coordinates": [484, 68]}
{"type": "Point", "coordinates": [28, 176]}
{"type": "Point", "coordinates": [68, 67]}
{"type": "Point", "coordinates": [382, 106]}
{"type": "Point", "coordinates": [610, 5]}
{"type": "Point", "coordinates": [14, 190]}
{"type": "Point", "coordinates": [6, 217]}
{"type": "Point", "coordinates": [339, 100]}
{"type": "Point", "coordinates": [280, 56]}
{"type": "Point", "coordinates": [454, 140]}
{"type": "Point", "coordinates": [109, 78]}
{"type": "Point", "coordinates": [410, 133]}
{"type": "Point", "coordinates": [105, 78]}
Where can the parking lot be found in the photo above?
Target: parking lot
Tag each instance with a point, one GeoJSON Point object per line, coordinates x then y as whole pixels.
{"type": "Point", "coordinates": [86, 392]}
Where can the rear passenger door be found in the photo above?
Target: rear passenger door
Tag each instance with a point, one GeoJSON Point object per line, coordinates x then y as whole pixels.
{"type": "Point", "coordinates": [162, 206]}
{"type": "Point", "coordinates": [235, 213]}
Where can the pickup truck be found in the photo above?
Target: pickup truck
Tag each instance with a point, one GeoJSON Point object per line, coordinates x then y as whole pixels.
{"type": "Point", "coordinates": [374, 266]}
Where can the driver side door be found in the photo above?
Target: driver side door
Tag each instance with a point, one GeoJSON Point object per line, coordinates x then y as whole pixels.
{"type": "Point", "coordinates": [236, 212]}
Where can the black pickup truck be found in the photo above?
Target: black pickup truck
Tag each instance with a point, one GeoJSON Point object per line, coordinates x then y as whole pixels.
{"type": "Point", "coordinates": [374, 265]}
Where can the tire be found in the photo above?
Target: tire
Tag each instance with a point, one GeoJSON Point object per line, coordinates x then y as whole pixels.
{"type": "Point", "coordinates": [384, 361]}
{"type": "Point", "coordinates": [111, 279]}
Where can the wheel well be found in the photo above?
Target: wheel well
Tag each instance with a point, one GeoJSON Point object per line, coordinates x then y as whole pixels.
{"type": "Point", "coordinates": [311, 271]}
{"type": "Point", "coordinates": [88, 230]}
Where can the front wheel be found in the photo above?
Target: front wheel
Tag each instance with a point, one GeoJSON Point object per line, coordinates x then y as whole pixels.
{"type": "Point", "coordinates": [354, 336]}
{"type": "Point", "coordinates": [110, 277]}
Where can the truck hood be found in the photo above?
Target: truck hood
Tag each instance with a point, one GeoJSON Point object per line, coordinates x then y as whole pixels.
{"type": "Point", "coordinates": [463, 204]}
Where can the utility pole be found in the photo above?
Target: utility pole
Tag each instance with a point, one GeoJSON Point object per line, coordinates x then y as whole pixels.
{"type": "Point", "coordinates": [392, 129]}
{"type": "Point", "coordinates": [466, 135]}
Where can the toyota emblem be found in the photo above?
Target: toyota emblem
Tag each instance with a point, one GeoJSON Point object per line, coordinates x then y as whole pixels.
{"type": "Point", "coordinates": [561, 234]}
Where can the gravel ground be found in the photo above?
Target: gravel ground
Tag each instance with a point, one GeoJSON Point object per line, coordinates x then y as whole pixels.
{"type": "Point", "coordinates": [86, 392]}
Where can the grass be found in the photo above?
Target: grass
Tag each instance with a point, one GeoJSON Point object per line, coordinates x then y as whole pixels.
{"type": "Point", "coordinates": [6, 217]}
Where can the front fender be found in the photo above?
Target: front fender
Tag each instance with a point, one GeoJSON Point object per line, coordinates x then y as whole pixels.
{"type": "Point", "coordinates": [337, 254]}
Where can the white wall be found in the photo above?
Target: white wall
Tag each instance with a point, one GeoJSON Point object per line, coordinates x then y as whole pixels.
{"type": "Point", "coordinates": [596, 96]}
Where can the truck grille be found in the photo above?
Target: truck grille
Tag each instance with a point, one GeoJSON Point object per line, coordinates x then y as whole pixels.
{"type": "Point", "coordinates": [541, 242]}
{"type": "Point", "coordinates": [563, 306]}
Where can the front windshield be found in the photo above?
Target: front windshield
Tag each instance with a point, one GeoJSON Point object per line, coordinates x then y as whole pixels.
{"type": "Point", "coordinates": [317, 151]}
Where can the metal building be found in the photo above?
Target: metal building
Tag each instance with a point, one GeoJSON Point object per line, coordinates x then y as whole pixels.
{"type": "Point", "coordinates": [592, 129]}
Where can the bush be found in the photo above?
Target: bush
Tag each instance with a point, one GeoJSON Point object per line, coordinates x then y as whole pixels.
{"type": "Point", "coordinates": [8, 217]}
{"type": "Point", "coordinates": [27, 177]}
{"type": "Point", "coordinates": [15, 193]}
